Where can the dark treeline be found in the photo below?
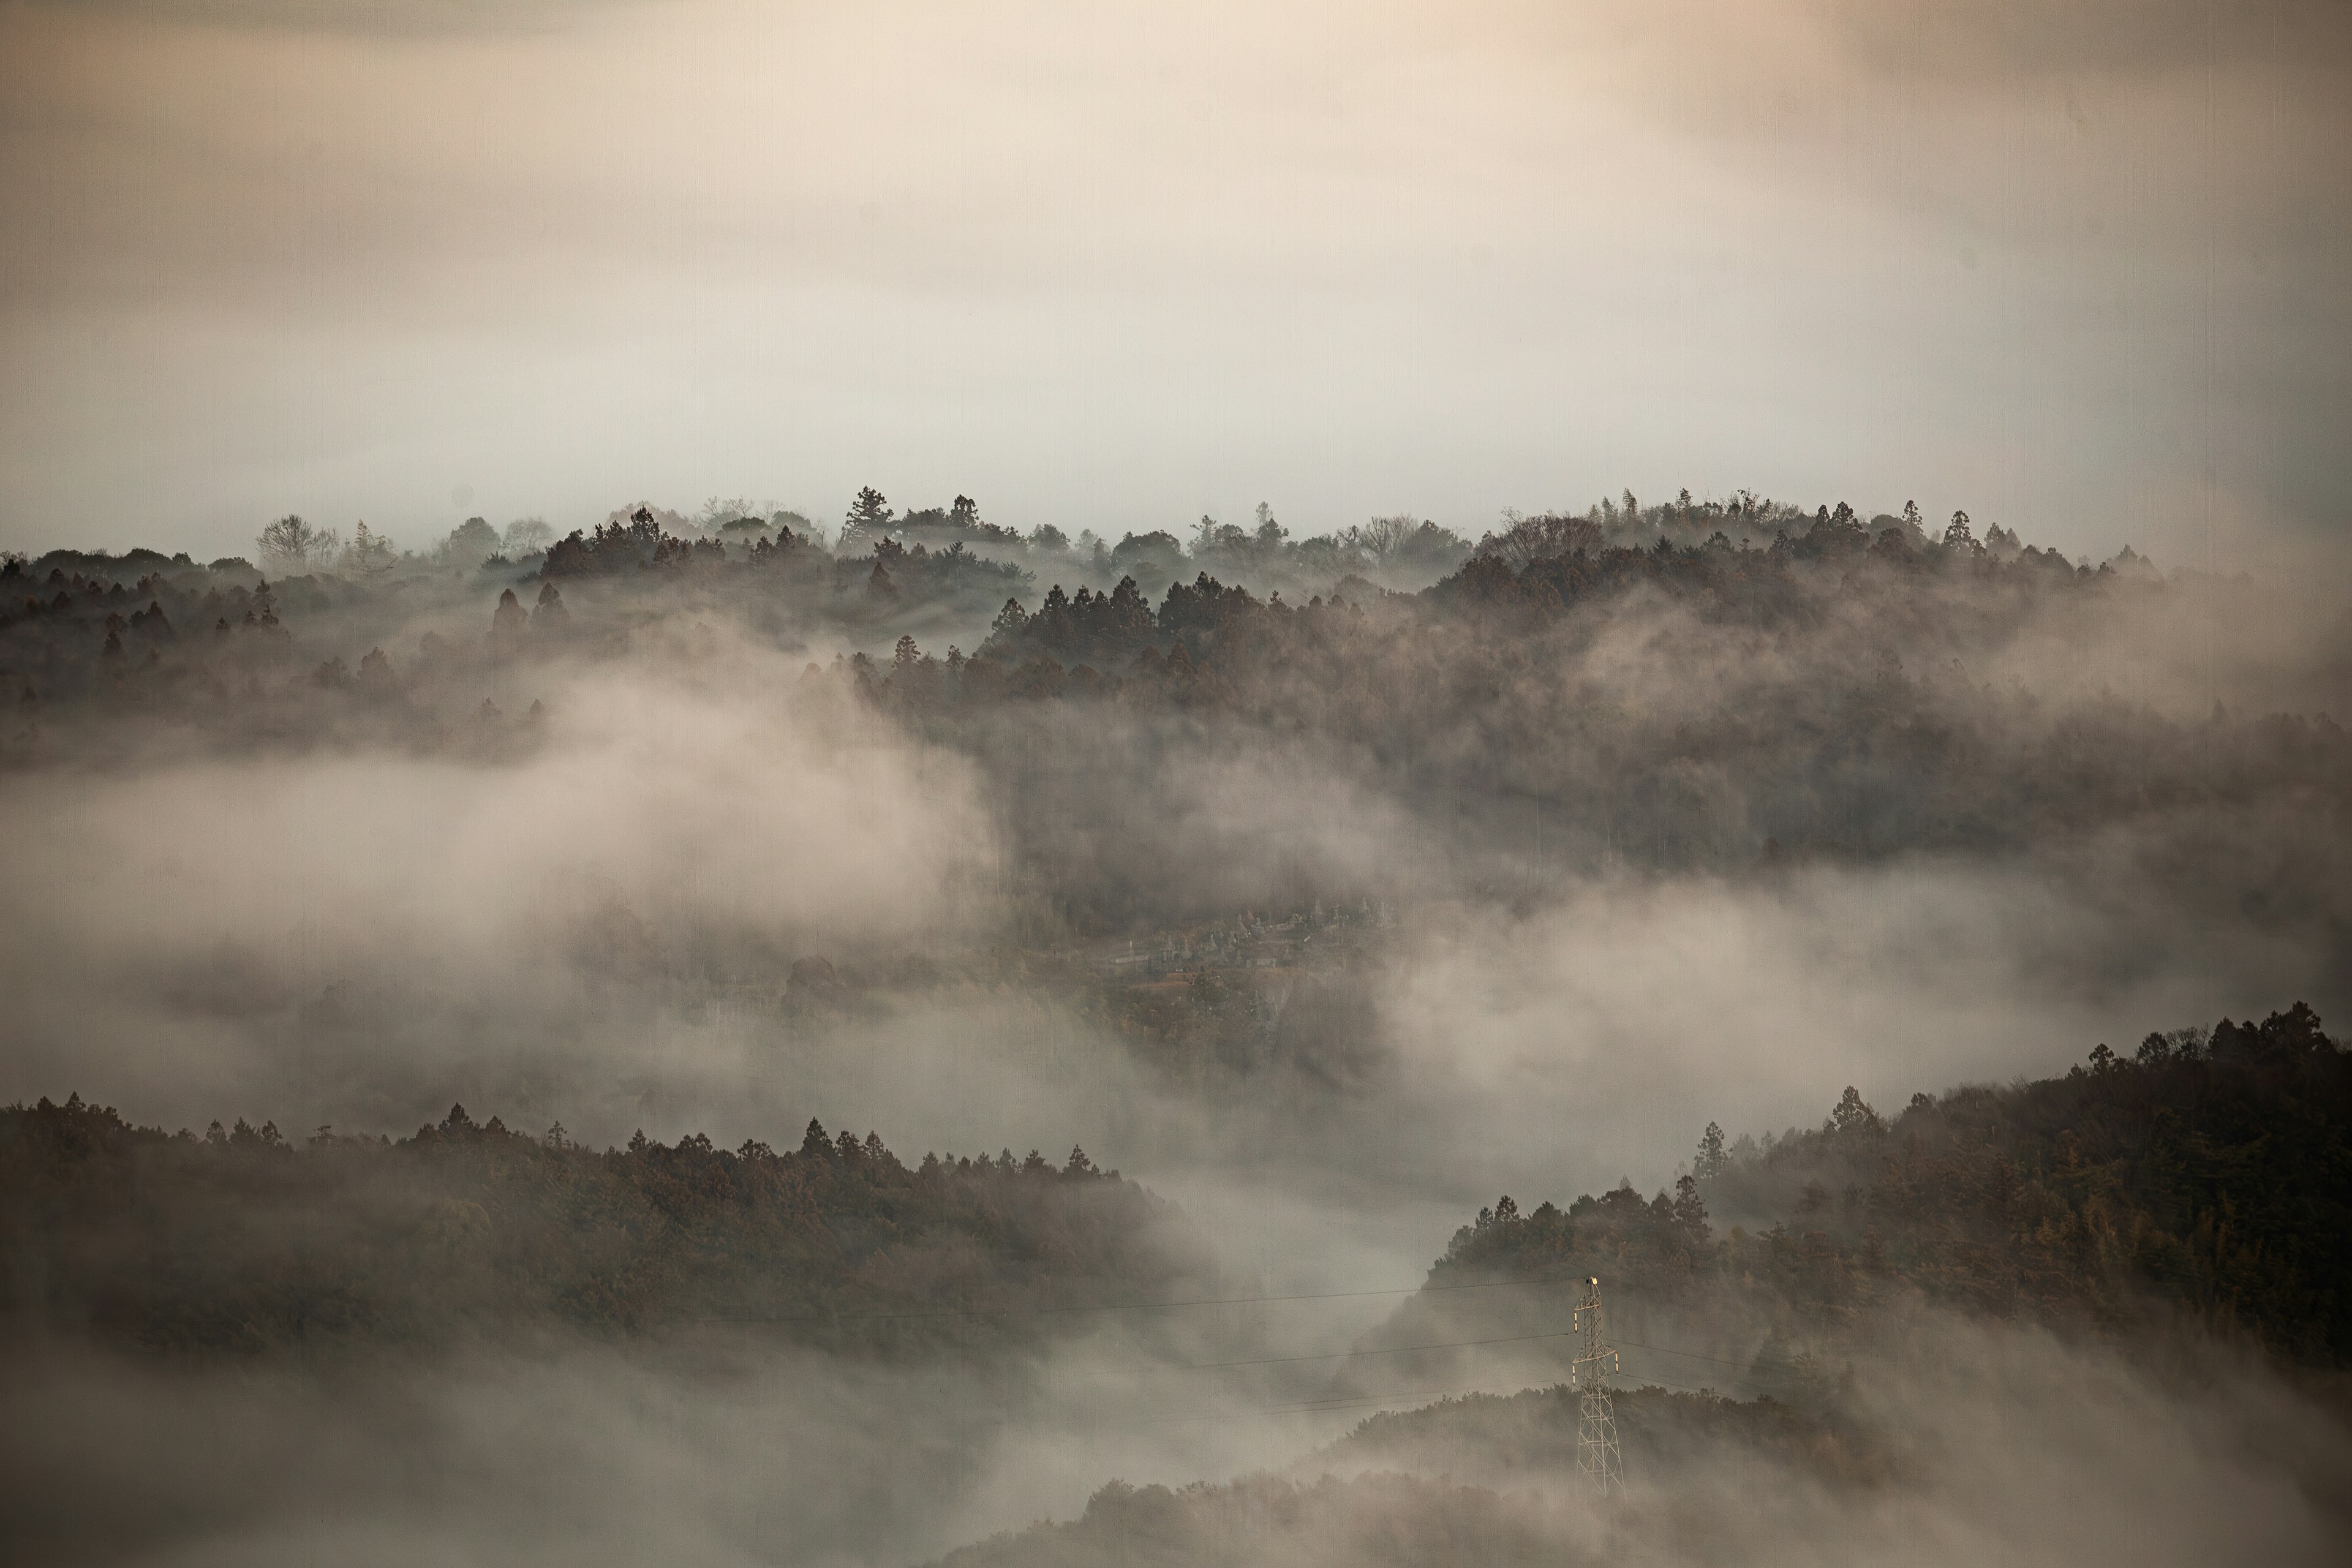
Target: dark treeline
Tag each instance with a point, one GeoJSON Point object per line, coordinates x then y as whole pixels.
{"type": "Point", "coordinates": [2204, 1177]}
{"type": "Point", "coordinates": [1479, 1478]}
{"type": "Point", "coordinates": [1710, 707]}
{"type": "Point", "coordinates": [2198, 1178]}
{"type": "Point", "coordinates": [1565, 703]}
{"type": "Point", "coordinates": [151, 634]}
{"type": "Point", "coordinates": [239, 1241]}
{"type": "Point", "coordinates": [1666, 1433]}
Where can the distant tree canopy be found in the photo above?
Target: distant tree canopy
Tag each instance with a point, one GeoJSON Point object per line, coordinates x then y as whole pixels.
{"type": "Point", "coordinates": [290, 544]}
{"type": "Point", "coordinates": [1823, 704]}
{"type": "Point", "coordinates": [241, 1240]}
{"type": "Point", "coordinates": [2206, 1173]}
{"type": "Point", "coordinates": [369, 554]}
{"type": "Point", "coordinates": [528, 536]}
{"type": "Point", "coordinates": [470, 544]}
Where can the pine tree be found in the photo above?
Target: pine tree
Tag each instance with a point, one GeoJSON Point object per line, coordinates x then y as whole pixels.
{"type": "Point", "coordinates": [1710, 1162]}
{"type": "Point", "coordinates": [869, 516]}
{"type": "Point", "coordinates": [1852, 1114]}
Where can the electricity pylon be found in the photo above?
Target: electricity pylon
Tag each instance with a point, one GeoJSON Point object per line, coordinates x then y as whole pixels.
{"type": "Point", "coordinates": [1600, 1469]}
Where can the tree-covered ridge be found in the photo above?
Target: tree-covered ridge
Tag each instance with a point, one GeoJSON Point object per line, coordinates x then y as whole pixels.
{"type": "Point", "coordinates": [1499, 1440]}
{"type": "Point", "coordinates": [78, 626]}
{"type": "Point", "coordinates": [1477, 1480]}
{"type": "Point", "coordinates": [1709, 707]}
{"type": "Point", "coordinates": [2210, 1172]}
{"type": "Point", "coordinates": [1750, 687]}
{"type": "Point", "coordinates": [1281, 1523]}
{"type": "Point", "coordinates": [240, 1241]}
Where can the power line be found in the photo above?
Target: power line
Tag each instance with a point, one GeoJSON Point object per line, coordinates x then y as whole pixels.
{"type": "Point", "coordinates": [1315, 1407]}
{"type": "Point", "coordinates": [1126, 1305]}
{"type": "Point", "coordinates": [1377, 1350]}
{"type": "Point", "coordinates": [1314, 1296]}
{"type": "Point", "coordinates": [1256, 1300]}
{"type": "Point", "coordinates": [1753, 1362]}
{"type": "Point", "coordinates": [1370, 1400]}
{"type": "Point", "coordinates": [1447, 1345]}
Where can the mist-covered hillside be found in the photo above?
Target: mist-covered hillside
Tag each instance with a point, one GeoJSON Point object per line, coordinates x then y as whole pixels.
{"type": "Point", "coordinates": [2195, 1187]}
{"type": "Point", "coordinates": [1705, 695]}
{"type": "Point", "coordinates": [242, 1242]}
{"type": "Point", "coordinates": [2149, 1237]}
{"type": "Point", "coordinates": [1326, 888]}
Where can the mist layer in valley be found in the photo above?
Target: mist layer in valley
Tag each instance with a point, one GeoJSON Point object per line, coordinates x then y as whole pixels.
{"type": "Point", "coordinates": [623, 1047]}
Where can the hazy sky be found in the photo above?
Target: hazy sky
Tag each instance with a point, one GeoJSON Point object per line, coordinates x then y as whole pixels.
{"type": "Point", "coordinates": [2080, 266]}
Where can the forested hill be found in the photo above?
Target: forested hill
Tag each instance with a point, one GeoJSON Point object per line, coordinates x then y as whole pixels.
{"type": "Point", "coordinates": [2206, 1173]}
{"type": "Point", "coordinates": [1718, 689]}
{"type": "Point", "coordinates": [238, 1241]}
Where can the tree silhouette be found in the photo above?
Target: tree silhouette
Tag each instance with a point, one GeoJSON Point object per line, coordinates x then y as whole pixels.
{"type": "Point", "coordinates": [369, 554]}
{"type": "Point", "coordinates": [1710, 1161]}
{"type": "Point", "coordinates": [290, 544]}
{"type": "Point", "coordinates": [868, 517]}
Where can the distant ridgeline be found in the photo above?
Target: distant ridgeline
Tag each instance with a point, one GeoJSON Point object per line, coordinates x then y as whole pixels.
{"type": "Point", "coordinates": [1450, 1483]}
{"type": "Point", "coordinates": [2206, 1174]}
{"type": "Point", "coordinates": [237, 1241]}
{"type": "Point", "coordinates": [1749, 685]}
{"type": "Point", "coordinates": [155, 631]}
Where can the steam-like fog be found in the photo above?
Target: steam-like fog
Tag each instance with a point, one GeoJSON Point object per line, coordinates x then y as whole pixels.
{"type": "Point", "coordinates": [693, 883]}
{"type": "Point", "coordinates": [528, 1038]}
{"type": "Point", "coordinates": [358, 939]}
{"type": "Point", "coordinates": [347, 938]}
{"type": "Point", "coordinates": [2020, 1447]}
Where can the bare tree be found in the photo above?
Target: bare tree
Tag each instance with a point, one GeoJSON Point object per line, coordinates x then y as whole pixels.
{"type": "Point", "coordinates": [292, 545]}
{"type": "Point", "coordinates": [525, 535]}
{"type": "Point", "coordinates": [1384, 536]}
{"type": "Point", "coordinates": [369, 554]}
{"type": "Point", "coordinates": [1530, 539]}
{"type": "Point", "coordinates": [719, 510]}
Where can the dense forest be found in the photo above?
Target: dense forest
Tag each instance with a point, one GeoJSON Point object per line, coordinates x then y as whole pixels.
{"type": "Point", "coordinates": [1480, 1478]}
{"type": "Point", "coordinates": [2204, 1175]}
{"type": "Point", "coordinates": [1530, 1437]}
{"type": "Point", "coordinates": [1166, 931]}
{"type": "Point", "coordinates": [2201, 1183]}
{"type": "Point", "coordinates": [1710, 687]}
{"type": "Point", "coordinates": [239, 1241]}
{"type": "Point", "coordinates": [2196, 1184]}
{"type": "Point", "coordinates": [1289, 872]}
{"type": "Point", "coordinates": [1264, 1519]}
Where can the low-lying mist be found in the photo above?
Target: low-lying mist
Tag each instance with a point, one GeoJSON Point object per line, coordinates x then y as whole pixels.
{"type": "Point", "coordinates": [1327, 921]}
{"type": "Point", "coordinates": [1970, 1442]}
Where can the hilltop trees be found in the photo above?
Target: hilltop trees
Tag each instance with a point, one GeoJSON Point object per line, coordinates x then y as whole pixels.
{"type": "Point", "coordinates": [1479, 703]}
{"type": "Point", "coordinates": [467, 1228]}
{"type": "Point", "coordinates": [470, 544]}
{"type": "Point", "coordinates": [528, 536]}
{"type": "Point", "coordinates": [369, 554]}
{"type": "Point", "coordinates": [868, 520]}
{"type": "Point", "coordinates": [292, 545]}
{"type": "Point", "coordinates": [2188, 1179]}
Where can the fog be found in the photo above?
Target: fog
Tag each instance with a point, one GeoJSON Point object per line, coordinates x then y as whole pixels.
{"type": "Point", "coordinates": [692, 880]}
{"type": "Point", "coordinates": [521, 1018]}
{"type": "Point", "coordinates": [2018, 1445]}
{"type": "Point", "coordinates": [594, 928]}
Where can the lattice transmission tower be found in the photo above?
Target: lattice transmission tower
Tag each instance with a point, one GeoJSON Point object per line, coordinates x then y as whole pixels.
{"type": "Point", "coordinates": [1600, 1469]}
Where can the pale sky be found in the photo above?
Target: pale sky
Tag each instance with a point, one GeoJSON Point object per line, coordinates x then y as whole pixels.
{"type": "Point", "coordinates": [2084, 267]}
